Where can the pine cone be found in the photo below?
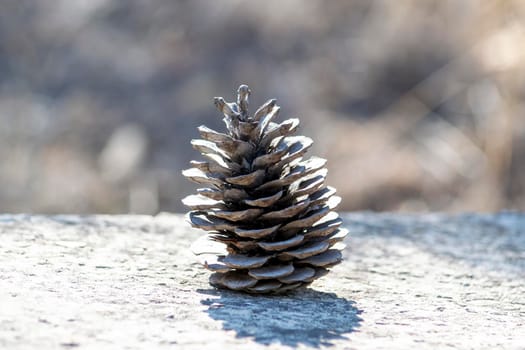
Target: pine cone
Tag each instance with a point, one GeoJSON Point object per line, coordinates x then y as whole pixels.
{"type": "Point", "coordinates": [268, 212]}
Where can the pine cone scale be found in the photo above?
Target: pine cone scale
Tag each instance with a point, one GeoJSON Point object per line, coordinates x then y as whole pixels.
{"type": "Point", "coordinates": [239, 261]}
{"type": "Point", "coordinates": [265, 286]}
{"type": "Point", "coordinates": [281, 245]}
{"type": "Point", "coordinates": [248, 180]}
{"type": "Point", "coordinates": [307, 221]}
{"type": "Point", "coordinates": [256, 233]}
{"type": "Point", "coordinates": [300, 274]}
{"type": "Point", "coordinates": [288, 212]}
{"type": "Point", "coordinates": [264, 109]}
{"type": "Point", "coordinates": [233, 280]}
{"type": "Point", "coordinates": [328, 258]}
{"type": "Point", "coordinates": [264, 202]}
{"type": "Point", "coordinates": [236, 216]}
{"type": "Point", "coordinates": [271, 271]}
{"type": "Point", "coordinates": [308, 250]}
{"type": "Point", "coordinates": [212, 135]}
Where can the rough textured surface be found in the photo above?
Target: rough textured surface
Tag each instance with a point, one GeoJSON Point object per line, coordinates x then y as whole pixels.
{"type": "Point", "coordinates": [431, 281]}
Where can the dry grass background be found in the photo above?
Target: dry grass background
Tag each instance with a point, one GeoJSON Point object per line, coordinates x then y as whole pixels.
{"type": "Point", "coordinates": [418, 105]}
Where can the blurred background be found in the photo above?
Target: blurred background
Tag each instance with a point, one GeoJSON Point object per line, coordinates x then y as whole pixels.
{"type": "Point", "coordinates": [417, 105]}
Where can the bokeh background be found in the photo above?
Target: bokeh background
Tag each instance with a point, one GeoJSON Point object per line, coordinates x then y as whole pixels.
{"type": "Point", "coordinates": [418, 105]}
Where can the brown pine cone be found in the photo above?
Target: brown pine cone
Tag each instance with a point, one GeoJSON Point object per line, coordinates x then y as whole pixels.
{"type": "Point", "coordinates": [268, 211]}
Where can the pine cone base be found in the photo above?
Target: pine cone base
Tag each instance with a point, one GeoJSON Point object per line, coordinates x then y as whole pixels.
{"type": "Point", "coordinates": [269, 215]}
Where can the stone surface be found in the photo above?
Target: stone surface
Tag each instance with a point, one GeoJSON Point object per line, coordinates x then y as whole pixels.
{"type": "Point", "coordinates": [425, 282]}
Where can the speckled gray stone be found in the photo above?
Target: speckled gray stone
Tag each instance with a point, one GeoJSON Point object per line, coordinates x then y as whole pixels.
{"type": "Point", "coordinates": [108, 282]}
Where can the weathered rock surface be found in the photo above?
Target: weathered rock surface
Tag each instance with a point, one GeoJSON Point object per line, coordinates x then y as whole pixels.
{"type": "Point", "coordinates": [425, 282]}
